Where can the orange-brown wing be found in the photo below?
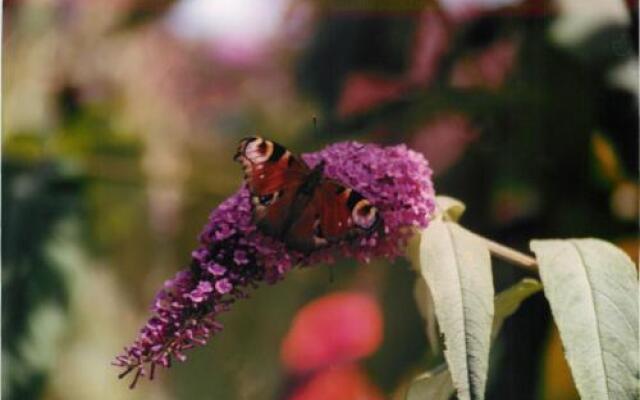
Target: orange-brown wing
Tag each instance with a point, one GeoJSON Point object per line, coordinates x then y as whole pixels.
{"type": "Point", "coordinates": [334, 213]}
{"type": "Point", "coordinates": [303, 234]}
{"type": "Point", "coordinates": [268, 166]}
{"type": "Point", "coordinates": [273, 176]}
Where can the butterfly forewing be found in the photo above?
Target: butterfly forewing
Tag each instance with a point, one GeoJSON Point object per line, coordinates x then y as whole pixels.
{"type": "Point", "coordinates": [268, 166]}
{"type": "Point", "coordinates": [273, 176]}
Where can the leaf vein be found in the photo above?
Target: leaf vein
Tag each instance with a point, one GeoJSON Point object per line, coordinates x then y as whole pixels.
{"type": "Point", "coordinates": [597, 322]}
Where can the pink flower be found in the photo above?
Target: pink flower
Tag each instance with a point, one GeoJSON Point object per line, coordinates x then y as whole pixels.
{"type": "Point", "coordinates": [346, 382]}
{"type": "Point", "coordinates": [488, 69]}
{"type": "Point", "coordinates": [431, 42]}
{"type": "Point", "coordinates": [363, 91]}
{"type": "Point", "coordinates": [444, 139]}
{"type": "Point", "coordinates": [216, 269]}
{"type": "Point", "coordinates": [223, 286]}
{"type": "Point", "coordinates": [200, 292]}
{"type": "Point", "coordinates": [338, 328]}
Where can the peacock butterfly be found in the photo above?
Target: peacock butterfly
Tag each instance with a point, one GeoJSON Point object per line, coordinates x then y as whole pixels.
{"type": "Point", "coordinates": [298, 204]}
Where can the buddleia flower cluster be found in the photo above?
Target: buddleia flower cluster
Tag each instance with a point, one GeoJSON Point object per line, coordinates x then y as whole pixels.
{"type": "Point", "coordinates": [234, 256]}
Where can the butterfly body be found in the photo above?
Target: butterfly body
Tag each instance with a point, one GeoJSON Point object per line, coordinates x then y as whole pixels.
{"type": "Point", "coordinates": [300, 205]}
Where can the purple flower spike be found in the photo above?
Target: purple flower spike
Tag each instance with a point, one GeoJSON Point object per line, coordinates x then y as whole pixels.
{"type": "Point", "coordinates": [234, 256]}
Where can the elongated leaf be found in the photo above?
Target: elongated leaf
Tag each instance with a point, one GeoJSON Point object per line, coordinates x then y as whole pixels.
{"type": "Point", "coordinates": [457, 268]}
{"type": "Point", "coordinates": [433, 385]}
{"type": "Point", "coordinates": [592, 288]}
{"type": "Point", "coordinates": [449, 209]}
{"type": "Point", "coordinates": [423, 297]}
{"type": "Point", "coordinates": [437, 384]}
{"type": "Point", "coordinates": [508, 301]}
{"type": "Point", "coordinates": [424, 300]}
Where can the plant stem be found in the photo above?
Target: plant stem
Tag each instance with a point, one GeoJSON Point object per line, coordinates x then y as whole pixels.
{"type": "Point", "coordinates": [510, 255]}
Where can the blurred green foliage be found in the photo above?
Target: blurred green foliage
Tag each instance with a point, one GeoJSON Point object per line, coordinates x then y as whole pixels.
{"type": "Point", "coordinates": [36, 199]}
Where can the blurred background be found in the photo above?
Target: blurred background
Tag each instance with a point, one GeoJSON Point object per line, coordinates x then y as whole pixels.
{"type": "Point", "coordinates": [120, 119]}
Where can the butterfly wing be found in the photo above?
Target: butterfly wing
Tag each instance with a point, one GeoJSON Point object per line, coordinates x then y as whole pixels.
{"type": "Point", "coordinates": [298, 205]}
{"type": "Point", "coordinates": [334, 213]}
{"type": "Point", "coordinates": [274, 177]}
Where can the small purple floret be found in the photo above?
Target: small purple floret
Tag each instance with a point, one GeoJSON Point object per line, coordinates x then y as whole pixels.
{"type": "Point", "coordinates": [216, 269]}
{"type": "Point", "coordinates": [234, 256]}
{"type": "Point", "coordinates": [223, 286]}
{"type": "Point", "coordinates": [200, 293]}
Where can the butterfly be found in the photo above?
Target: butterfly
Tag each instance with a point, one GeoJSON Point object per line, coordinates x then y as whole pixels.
{"type": "Point", "coordinates": [300, 205]}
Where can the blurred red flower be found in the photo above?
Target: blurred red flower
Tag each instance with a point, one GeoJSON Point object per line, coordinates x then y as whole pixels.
{"type": "Point", "coordinates": [444, 139]}
{"type": "Point", "coordinates": [363, 91]}
{"type": "Point", "coordinates": [335, 329]}
{"type": "Point", "coordinates": [430, 43]}
{"type": "Point", "coordinates": [488, 69]}
{"type": "Point", "coordinates": [346, 382]}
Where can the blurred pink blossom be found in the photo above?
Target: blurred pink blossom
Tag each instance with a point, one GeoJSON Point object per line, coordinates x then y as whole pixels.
{"type": "Point", "coordinates": [488, 69]}
{"type": "Point", "coordinates": [346, 382]}
{"type": "Point", "coordinates": [443, 140]}
{"type": "Point", "coordinates": [237, 53]}
{"type": "Point", "coordinates": [430, 43]}
{"type": "Point", "coordinates": [335, 329]}
{"type": "Point", "coordinates": [363, 91]}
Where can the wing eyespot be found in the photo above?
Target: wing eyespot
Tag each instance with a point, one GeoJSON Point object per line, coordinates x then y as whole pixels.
{"type": "Point", "coordinates": [257, 150]}
{"type": "Point", "coordinates": [318, 236]}
{"type": "Point", "coordinates": [364, 214]}
{"type": "Point", "coordinates": [267, 199]}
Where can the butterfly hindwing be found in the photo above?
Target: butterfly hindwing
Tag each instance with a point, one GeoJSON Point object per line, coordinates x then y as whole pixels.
{"type": "Point", "coordinates": [271, 214]}
{"type": "Point", "coordinates": [335, 213]}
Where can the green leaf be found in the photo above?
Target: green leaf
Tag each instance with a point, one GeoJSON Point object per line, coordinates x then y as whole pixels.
{"type": "Point", "coordinates": [433, 385]}
{"type": "Point", "coordinates": [592, 288]}
{"type": "Point", "coordinates": [508, 301]}
{"type": "Point", "coordinates": [424, 300]}
{"type": "Point", "coordinates": [449, 209]}
{"type": "Point", "coordinates": [437, 384]}
{"type": "Point", "coordinates": [422, 294]}
{"type": "Point", "coordinates": [456, 266]}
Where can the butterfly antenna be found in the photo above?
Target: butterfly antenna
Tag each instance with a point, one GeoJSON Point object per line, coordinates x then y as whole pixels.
{"type": "Point", "coordinates": [315, 125]}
